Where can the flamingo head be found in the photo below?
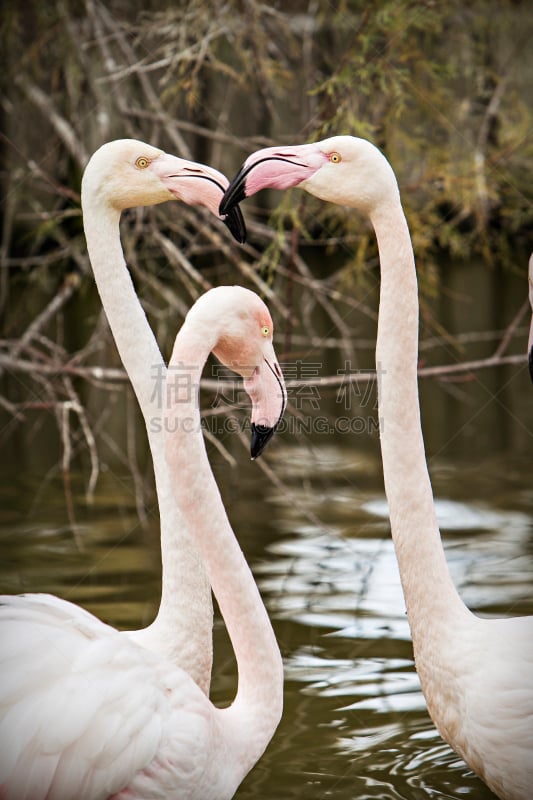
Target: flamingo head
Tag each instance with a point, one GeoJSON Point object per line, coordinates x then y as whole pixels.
{"type": "Point", "coordinates": [125, 173]}
{"type": "Point", "coordinates": [342, 169]}
{"type": "Point", "coordinates": [239, 328]}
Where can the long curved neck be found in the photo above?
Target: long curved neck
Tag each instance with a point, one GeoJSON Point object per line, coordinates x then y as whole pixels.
{"type": "Point", "coordinates": [428, 589]}
{"type": "Point", "coordinates": [186, 596]}
{"type": "Point", "coordinates": [256, 710]}
{"type": "Point", "coordinates": [133, 336]}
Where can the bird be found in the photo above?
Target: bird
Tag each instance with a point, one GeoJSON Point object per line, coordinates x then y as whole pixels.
{"type": "Point", "coordinates": [476, 673]}
{"type": "Point", "coordinates": [88, 712]}
{"type": "Point", "coordinates": [530, 340]}
{"type": "Point", "coordinates": [122, 174]}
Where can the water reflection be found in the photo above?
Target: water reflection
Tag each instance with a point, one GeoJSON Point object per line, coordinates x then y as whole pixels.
{"type": "Point", "coordinates": [337, 580]}
{"type": "Point", "coordinates": [355, 724]}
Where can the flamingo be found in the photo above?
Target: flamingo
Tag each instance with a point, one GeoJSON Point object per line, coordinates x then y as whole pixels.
{"type": "Point", "coordinates": [89, 713]}
{"type": "Point", "coordinates": [476, 674]}
{"type": "Point", "coordinates": [119, 175]}
{"type": "Point", "coordinates": [530, 341]}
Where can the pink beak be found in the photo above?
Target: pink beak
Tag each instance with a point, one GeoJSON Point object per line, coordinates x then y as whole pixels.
{"type": "Point", "coordinates": [198, 185]}
{"type": "Point", "coordinates": [274, 168]}
{"type": "Point", "coordinates": [266, 389]}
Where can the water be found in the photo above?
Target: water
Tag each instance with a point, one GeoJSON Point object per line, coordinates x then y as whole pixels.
{"type": "Point", "coordinates": [318, 541]}
{"type": "Point", "coordinates": [354, 723]}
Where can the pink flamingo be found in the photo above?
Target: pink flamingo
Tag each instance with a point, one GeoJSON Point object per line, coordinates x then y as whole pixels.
{"type": "Point", "coordinates": [476, 674]}
{"type": "Point", "coordinates": [87, 712]}
{"type": "Point", "coordinates": [119, 175]}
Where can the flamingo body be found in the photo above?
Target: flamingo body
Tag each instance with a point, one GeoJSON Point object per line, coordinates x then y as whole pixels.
{"type": "Point", "coordinates": [96, 709]}
{"type": "Point", "coordinates": [476, 674]}
{"type": "Point", "coordinates": [89, 713]}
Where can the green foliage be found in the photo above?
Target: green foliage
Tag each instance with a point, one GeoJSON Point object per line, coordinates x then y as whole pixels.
{"type": "Point", "coordinates": [443, 88]}
{"type": "Point", "coordinates": [440, 87]}
{"type": "Point", "coordinates": [437, 87]}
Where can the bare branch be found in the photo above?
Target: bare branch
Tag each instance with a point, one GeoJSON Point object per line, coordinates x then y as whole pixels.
{"type": "Point", "coordinates": [59, 123]}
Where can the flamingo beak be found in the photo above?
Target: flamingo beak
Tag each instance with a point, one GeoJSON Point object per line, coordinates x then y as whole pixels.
{"type": "Point", "coordinates": [267, 391]}
{"type": "Point", "coordinates": [275, 168]}
{"type": "Point", "coordinates": [261, 435]}
{"type": "Point", "coordinates": [235, 222]}
{"type": "Point", "coordinates": [199, 185]}
{"type": "Point", "coordinates": [235, 193]}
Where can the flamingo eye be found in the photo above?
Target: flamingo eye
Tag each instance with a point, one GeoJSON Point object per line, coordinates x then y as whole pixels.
{"type": "Point", "coordinates": [265, 330]}
{"type": "Point", "coordinates": [335, 158]}
{"type": "Point", "coordinates": [142, 162]}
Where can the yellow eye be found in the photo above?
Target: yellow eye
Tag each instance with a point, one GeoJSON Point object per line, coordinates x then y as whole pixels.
{"type": "Point", "coordinates": [335, 158]}
{"type": "Point", "coordinates": [265, 330]}
{"type": "Point", "coordinates": [142, 162]}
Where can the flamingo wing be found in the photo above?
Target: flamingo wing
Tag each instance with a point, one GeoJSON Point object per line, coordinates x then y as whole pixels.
{"type": "Point", "coordinates": [498, 699]}
{"type": "Point", "coordinates": [83, 709]}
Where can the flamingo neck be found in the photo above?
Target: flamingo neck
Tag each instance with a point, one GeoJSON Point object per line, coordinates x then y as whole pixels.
{"type": "Point", "coordinates": [253, 717]}
{"type": "Point", "coordinates": [432, 602]}
{"type": "Point", "coordinates": [186, 595]}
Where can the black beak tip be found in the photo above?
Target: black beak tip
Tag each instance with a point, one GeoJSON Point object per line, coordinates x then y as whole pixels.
{"type": "Point", "coordinates": [530, 362]}
{"type": "Point", "coordinates": [233, 195]}
{"type": "Point", "coordinates": [261, 435]}
{"type": "Point", "coordinates": [235, 222]}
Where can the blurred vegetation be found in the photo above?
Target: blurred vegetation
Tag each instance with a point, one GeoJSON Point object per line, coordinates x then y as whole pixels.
{"type": "Point", "coordinates": [445, 89]}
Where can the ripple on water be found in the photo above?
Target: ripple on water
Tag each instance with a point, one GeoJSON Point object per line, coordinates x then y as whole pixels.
{"type": "Point", "coordinates": [354, 701]}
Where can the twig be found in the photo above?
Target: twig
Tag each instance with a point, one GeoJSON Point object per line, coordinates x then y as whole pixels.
{"type": "Point", "coordinates": [481, 147]}
{"type": "Point", "coordinates": [220, 447]}
{"type": "Point", "coordinates": [63, 129]}
{"type": "Point", "coordinates": [58, 301]}
{"type": "Point", "coordinates": [511, 330]}
{"type": "Point", "coordinates": [294, 241]}
{"type": "Point", "coordinates": [64, 427]}
{"type": "Point", "coordinates": [115, 74]}
{"type": "Point", "coordinates": [77, 406]}
{"type": "Point", "coordinates": [99, 374]}
{"type": "Point", "coordinates": [176, 257]}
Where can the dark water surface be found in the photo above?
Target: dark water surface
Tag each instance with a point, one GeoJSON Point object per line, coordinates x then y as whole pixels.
{"type": "Point", "coordinates": [318, 541]}
{"type": "Point", "coordinates": [354, 724]}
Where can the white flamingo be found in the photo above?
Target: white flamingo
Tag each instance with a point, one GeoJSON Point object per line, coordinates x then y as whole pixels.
{"type": "Point", "coordinates": [119, 175]}
{"type": "Point", "coordinates": [88, 713]}
{"type": "Point", "coordinates": [476, 674]}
